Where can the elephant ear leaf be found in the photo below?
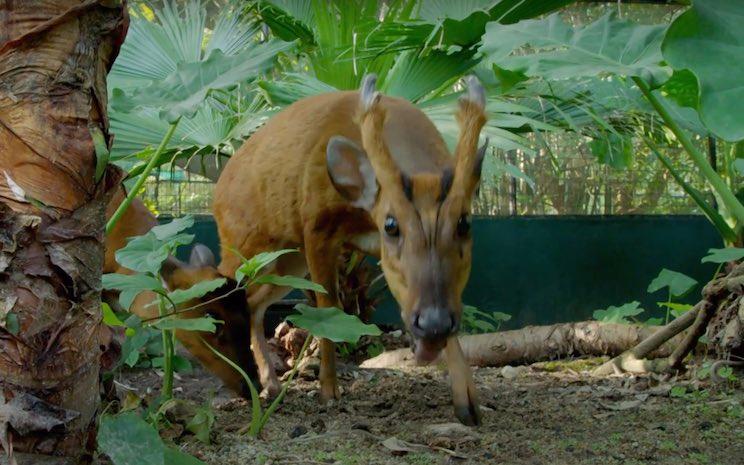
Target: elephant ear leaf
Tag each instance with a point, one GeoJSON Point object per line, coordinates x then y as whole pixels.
{"type": "Point", "coordinates": [560, 51]}
{"type": "Point", "coordinates": [708, 40]}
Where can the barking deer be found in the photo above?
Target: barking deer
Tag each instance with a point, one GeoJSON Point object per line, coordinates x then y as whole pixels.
{"type": "Point", "coordinates": [230, 338]}
{"type": "Point", "coordinates": [369, 172]}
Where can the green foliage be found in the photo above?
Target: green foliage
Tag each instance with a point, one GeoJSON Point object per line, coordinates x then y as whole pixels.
{"type": "Point", "coordinates": [128, 439]}
{"type": "Point", "coordinates": [130, 285]}
{"type": "Point", "coordinates": [728, 254]}
{"type": "Point", "coordinates": [181, 93]}
{"type": "Point", "coordinates": [331, 323]}
{"type": "Point", "coordinates": [675, 308]}
{"type": "Point", "coordinates": [146, 253]}
{"type": "Point", "coordinates": [152, 53]}
{"type": "Point", "coordinates": [179, 296]}
{"type": "Point", "coordinates": [613, 150]}
{"type": "Point", "coordinates": [475, 321]}
{"type": "Point", "coordinates": [206, 324]}
{"type": "Point", "coordinates": [607, 46]}
{"type": "Point", "coordinates": [202, 423]}
{"type": "Point", "coordinates": [290, 281]}
{"type": "Point", "coordinates": [251, 266]}
{"type": "Point", "coordinates": [708, 40]}
{"type": "Point", "coordinates": [678, 284]}
{"type": "Point", "coordinates": [109, 317]}
{"type": "Point", "coordinates": [682, 88]}
{"type": "Point", "coordinates": [621, 314]}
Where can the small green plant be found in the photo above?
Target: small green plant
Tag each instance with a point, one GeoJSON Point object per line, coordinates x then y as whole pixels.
{"type": "Point", "coordinates": [678, 285]}
{"type": "Point", "coordinates": [127, 439]}
{"type": "Point", "coordinates": [621, 314]}
{"type": "Point", "coordinates": [121, 435]}
{"type": "Point", "coordinates": [475, 320]}
{"type": "Point", "coordinates": [327, 323]}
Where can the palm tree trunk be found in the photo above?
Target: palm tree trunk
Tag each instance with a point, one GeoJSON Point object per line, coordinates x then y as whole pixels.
{"type": "Point", "coordinates": [54, 56]}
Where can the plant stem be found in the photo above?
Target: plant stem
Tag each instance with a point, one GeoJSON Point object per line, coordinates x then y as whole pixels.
{"type": "Point", "coordinates": [167, 391]}
{"type": "Point", "coordinates": [719, 185]}
{"type": "Point", "coordinates": [143, 177]}
{"type": "Point", "coordinates": [285, 387]}
{"type": "Point", "coordinates": [668, 309]}
{"type": "Point", "coordinates": [256, 412]}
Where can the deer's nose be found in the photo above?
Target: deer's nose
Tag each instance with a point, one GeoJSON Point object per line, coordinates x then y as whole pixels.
{"type": "Point", "coordinates": [433, 323]}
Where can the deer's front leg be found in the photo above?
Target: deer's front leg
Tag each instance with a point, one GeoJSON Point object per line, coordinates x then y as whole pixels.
{"type": "Point", "coordinates": [322, 260]}
{"type": "Point", "coordinates": [464, 394]}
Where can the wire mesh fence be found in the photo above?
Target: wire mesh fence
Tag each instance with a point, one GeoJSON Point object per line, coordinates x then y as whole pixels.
{"type": "Point", "coordinates": [177, 192]}
{"type": "Point", "coordinates": [561, 178]}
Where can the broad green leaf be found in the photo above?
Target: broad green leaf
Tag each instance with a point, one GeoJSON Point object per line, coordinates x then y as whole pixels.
{"type": "Point", "coordinates": [558, 51]}
{"type": "Point", "coordinates": [199, 289]}
{"type": "Point", "coordinates": [201, 424]}
{"type": "Point", "coordinates": [729, 254]}
{"type": "Point", "coordinates": [206, 324]}
{"type": "Point", "coordinates": [682, 88]}
{"type": "Point", "coordinates": [130, 349]}
{"type": "Point", "coordinates": [619, 314]}
{"type": "Point", "coordinates": [332, 323]}
{"type": "Point", "coordinates": [109, 317]}
{"type": "Point", "coordinates": [127, 439]}
{"type": "Point", "coordinates": [679, 284]}
{"type": "Point", "coordinates": [500, 316]}
{"type": "Point", "coordinates": [167, 231]}
{"type": "Point", "coordinates": [739, 165]}
{"type": "Point", "coordinates": [180, 364]}
{"type": "Point", "coordinates": [251, 266]}
{"type": "Point", "coordinates": [12, 324]}
{"type": "Point", "coordinates": [708, 39]}
{"type": "Point", "coordinates": [130, 285]}
{"type": "Point", "coordinates": [289, 281]}
{"type": "Point", "coordinates": [675, 306]}
{"type": "Point", "coordinates": [173, 456]}
{"type": "Point", "coordinates": [654, 322]}
{"type": "Point", "coordinates": [613, 150]}
{"type": "Point", "coordinates": [144, 254]}
{"type": "Point", "coordinates": [676, 309]}
{"type": "Point", "coordinates": [102, 151]}
{"type": "Point", "coordinates": [181, 93]}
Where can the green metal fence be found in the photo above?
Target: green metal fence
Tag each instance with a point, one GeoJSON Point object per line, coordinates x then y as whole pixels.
{"type": "Point", "coordinates": [548, 269]}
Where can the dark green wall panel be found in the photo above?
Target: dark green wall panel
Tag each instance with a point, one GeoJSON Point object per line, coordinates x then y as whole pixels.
{"type": "Point", "coordinates": [550, 269]}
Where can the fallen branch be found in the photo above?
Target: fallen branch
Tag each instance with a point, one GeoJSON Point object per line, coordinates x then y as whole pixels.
{"type": "Point", "coordinates": [540, 343]}
{"type": "Point", "coordinates": [718, 309]}
{"type": "Point", "coordinates": [635, 359]}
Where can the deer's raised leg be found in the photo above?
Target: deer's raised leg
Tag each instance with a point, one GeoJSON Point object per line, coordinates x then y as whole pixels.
{"type": "Point", "coordinates": [464, 394]}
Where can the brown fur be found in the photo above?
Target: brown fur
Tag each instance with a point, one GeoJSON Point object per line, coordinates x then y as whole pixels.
{"type": "Point", "coordinates": [231, 339]}
{"type": "Point", "coordinates": [276, 192]}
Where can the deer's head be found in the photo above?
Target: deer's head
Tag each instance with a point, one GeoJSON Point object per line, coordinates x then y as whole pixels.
{"type": "Point", "coordinates": [423, 216]}
{"type": "Point", "coordinates": [231, 338]}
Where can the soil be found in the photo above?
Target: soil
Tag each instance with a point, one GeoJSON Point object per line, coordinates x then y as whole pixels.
{"type": "Point", "coordinates": [549, 413]}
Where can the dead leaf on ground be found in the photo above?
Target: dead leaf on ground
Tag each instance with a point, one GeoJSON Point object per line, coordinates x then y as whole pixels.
{"type": "Point", "coordinates": [399, 447]}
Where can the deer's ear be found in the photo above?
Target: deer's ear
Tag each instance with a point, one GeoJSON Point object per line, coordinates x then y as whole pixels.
{"type": "Point", "coordinates": [351, 172]}
{"type": "Point", "coordinates": [201, 256]}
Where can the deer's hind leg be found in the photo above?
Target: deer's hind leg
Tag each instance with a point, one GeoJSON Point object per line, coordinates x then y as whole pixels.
{"type": "Point", "coordinates": [259, 299]}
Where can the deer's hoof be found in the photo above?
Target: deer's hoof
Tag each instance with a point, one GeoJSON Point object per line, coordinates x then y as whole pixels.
{"type": "Point", "coordinates": [468, 414]}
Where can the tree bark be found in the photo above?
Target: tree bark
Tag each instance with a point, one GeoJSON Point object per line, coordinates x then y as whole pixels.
{"type": "Point", "coordinates": [539, 343]}
{"type": "Point", "coordinates": [54, 57]}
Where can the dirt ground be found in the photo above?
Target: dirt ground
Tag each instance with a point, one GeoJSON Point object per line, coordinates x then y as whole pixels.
{"type": "Point", "coordinates": [549, 413]}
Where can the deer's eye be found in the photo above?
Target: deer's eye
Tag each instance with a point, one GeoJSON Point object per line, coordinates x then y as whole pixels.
{"type": "Point", "coordinates": [391, 226]}
{"type": "Point", "coordinates": [463, 225]}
